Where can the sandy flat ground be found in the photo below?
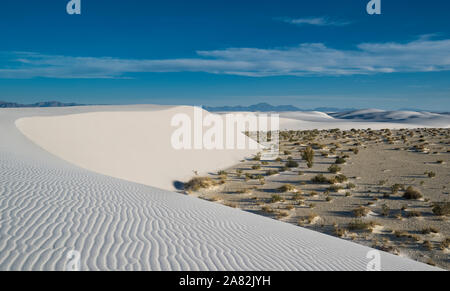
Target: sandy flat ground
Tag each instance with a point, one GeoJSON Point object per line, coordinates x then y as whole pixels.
{"type": "Point", "coordinates": [49, 206]}
{"type": "Point", "coordinates": [379, 164]}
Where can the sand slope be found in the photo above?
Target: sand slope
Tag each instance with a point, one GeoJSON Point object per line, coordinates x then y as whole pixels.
{"type": "Point", "coordinates": [49, 207]}
{"type": "Point", "coordinates": [134, 146]}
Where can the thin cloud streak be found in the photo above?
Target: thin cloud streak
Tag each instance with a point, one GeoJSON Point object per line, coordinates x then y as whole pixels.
{"type": "Point", "coordinates": [317, 21]}
{"type": "Point", "coordinates": [308, 59]}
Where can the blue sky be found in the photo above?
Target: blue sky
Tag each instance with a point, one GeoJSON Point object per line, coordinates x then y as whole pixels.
{"type": "Point", "coordinates": [305, 53]}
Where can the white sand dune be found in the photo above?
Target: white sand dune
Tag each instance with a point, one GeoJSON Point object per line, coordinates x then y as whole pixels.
{"type": "Point", "coordinates": [134, 145]}
{"type": "Point", "coordinates": [49, 206]}
{"type": "Point", "coordinates": [363, 119]}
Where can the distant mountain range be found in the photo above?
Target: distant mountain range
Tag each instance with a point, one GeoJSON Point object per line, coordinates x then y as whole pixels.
{"type": "Point", "coordinates": [39, 104]}
{"type": "Point", "coordinates": [265, 107]}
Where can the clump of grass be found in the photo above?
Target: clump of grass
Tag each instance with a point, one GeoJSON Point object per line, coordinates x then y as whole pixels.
{"type": "Point", "coordinates": [198, 183]}
{"type": "Point", "coordinates": [355, 151]}
{"type": "Point", "coordinates": [311, 217]}
{"type": "Point", "coordinates": [320, 179]}
{"type": "Point", "coordinates": [429, 230]}
{"type": "Point", "coordinates": [339, 231]}
{"type": "Point", "coordinates": [244, 191]}
{"type": "Point", "coordinates": [314, 194]}
{"type": "Point", "coordinates": [396, 187]}
{"type": "Point", "coordinates": [444, 244]}
{"type": "Point", "coordinates": [361, 211]}
{"type": "Point", "coordinates": [267, 209]}
{"type": "Point", "coordinates": [441, 209]}
{"type": "Point", "coordinates": [385, 210]}
{"type": "Point", "coordinates": [276, 198]}
{"type": "Point", "coordinates": [358, 224]}
{"type": "Point", "coordinates": [428, 245]}
{"type": "Point", "coordinates": [341, 178]}
{"type": "Point", "coordinates": [282, 214]}
{"type": "Point", "coordinates": [335, 188]}
{"type": "Point", "coordinates": [351, 186]}
{"type": "Point", "coordinates": [287, 188]}
{"type": "Point", "coordinates": [308, 156]}
{"type": "Point", "coordinates": [257, 157]}
{"type": "Point", "coordinates": [334, 169]}
{"type": "Point", "coordinates": [222, 174]}
{"type": "Point", "coordinates": [430, 174]}
{"type": "Point", "coordinates": [298, 196]}
{"type": "Point", "coordinates": [291, 164]}
{"type": "Point", "coordinates": [413, 213]}
{"type": "Point", "coordinates": [256, 167]}
{"type": "Point", "coordinates": [412, 194]}
{"type": "Point", "coordinates": [340, 161]}
{"type": "Point", "coordinates": [272, 172]}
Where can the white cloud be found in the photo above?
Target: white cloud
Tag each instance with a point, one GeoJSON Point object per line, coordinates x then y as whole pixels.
{"type": "Point", "coordinates": [309, 59]}
{"type": "Point", "coordinates": [318, 21]}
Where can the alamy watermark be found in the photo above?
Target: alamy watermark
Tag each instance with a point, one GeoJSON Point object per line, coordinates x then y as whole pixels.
{"type": "Point", "coordinates": [74, 7]}
{"type": "Point", "coordinates": [242, 131]}
{"type": "Point", "coordinates": [73, 261]}
{"type": "Point", "coordinates": [375, 260]}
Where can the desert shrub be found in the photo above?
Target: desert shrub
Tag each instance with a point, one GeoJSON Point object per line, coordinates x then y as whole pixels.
{"type": "Point", "coordinates": [444, 244]}
{"type": "Point", "coordinates": [257, 157]}
{"type": "Point", "coordinates": [287, 153]}
{"type": "Point", "coordinates": [292, 164]}
{"type": "Point", "coordinates": [289, 207]}
{"type": "Point", "coordinates": [265, 163]}
{"type": "Point", "coordinates": [298, 196]}
{"type": "Point", "coordinates": [339, 231]}
{"type": "Point", "coordinates": [396, 187]}
{"type": "Point", "coordinates": [334, 169]}
{"type": "Point", "coordinates": [311, 217]}
{"type": "Point", "coordinates": [308, 156]}
{"type": "Point", "coordinates": [361, 211]}
{"type": "Point", "coordinates": [282, 214]}
{"type": "Point", "coordinates": [278, 159]}
{"type": "Point", "coordinates": [355, 151]}
{"type": "Point", "coordinates": [313, 194]}
{"type": "Point", "coordinates": [198, 183]}
{"type": "Point", "coordinates": [272, 172]}
{"type": "Point", "coordinates": [385, 210]}
{"type": "Point", "coordinates": [335, 188]}
{"type": "Point", "coordinates": [430, 174]}
{"type": "Point", "coordinates": [441, 209]}
{"type": "Point", "coordinates": [358, 224]}
{"type": "Point", "coordinates": [341, 178]}
{"type": "Point", "coordinates": [413, 213]}
{"type": "Point", "coordinates": [222, 173]}
{"type": "Point", "coordinates": [284, 169]}
{"type": "Point", "coordinates": [320, 179]}
{"type": "Point", "coordinates": [412, 193]}
{"type": "Point", "coordinates": [287, 188]}
{"type": "Point", "coordinates": [428, 245]}
{"type": "Point", "coordinates": [429, 230]}
{"type": "Point", "coordinates": [267, 209]}
{"type": "Point", "coordinates": [328, 199]}
{"type": "Point", "coordinates": [351, 186]}
{"type": "Point", "coordinates": [276, 198]}
{"type": "Point", "coordinates": [340, 161]}
{"type": "Point", "coordinates": [256, 167]}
